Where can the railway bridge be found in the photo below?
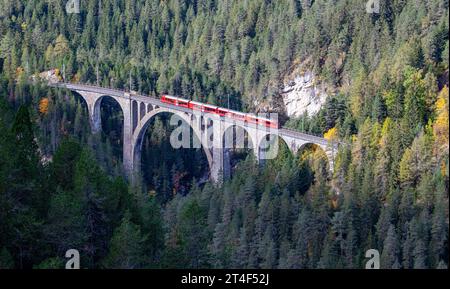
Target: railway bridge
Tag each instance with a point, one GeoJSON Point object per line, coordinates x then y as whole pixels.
{"type": "Point", "coordinates": [210, 130]}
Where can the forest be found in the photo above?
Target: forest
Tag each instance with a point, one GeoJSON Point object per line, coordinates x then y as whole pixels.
{"type": "Point", "coordinates": [62, 187]}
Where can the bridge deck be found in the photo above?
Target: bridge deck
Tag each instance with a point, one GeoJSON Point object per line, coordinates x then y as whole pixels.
{"type": "Point", "coordinates": [155, 101]}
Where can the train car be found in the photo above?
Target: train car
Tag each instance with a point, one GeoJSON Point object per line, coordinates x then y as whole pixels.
{"type": "Point", "coordinates": [169, 99]}
{"type": "Point", "coordinates": [222, 111]}
{"type": "Point", "coordinates": [251, 119]}
{"type": "Point", "coordinates": [267, 122]}
{"type": "Point", "coordinates": [238, 115]}
{"type": "Point", "coordinates": [208, 108]}
{"type": "Point", "coordinates": [194, 105]}
{"type": "Point", "coordinates": [183, 102]}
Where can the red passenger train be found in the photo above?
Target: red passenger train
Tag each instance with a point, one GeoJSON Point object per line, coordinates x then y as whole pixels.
{"type": "Point", "coordinates": [194, 105]}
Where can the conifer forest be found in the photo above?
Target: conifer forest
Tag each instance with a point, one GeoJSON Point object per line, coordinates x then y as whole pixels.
{"type": "Point", "coordinates": [64, 187]}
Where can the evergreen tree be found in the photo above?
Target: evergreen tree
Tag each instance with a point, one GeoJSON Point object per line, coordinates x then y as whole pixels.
{"type": "Point", "coordinates": [389, 256]}
{"type": "Point", "coordinates": [127, 246]}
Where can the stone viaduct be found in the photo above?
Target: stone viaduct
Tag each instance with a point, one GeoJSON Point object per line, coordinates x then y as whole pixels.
{"type": "Point", "coordinates": [139, 110]}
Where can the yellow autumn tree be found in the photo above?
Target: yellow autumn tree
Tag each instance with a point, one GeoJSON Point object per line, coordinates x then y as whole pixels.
{"type": "Point", "coordinates": [406, 168]}
{"type": "Point", "coordinates": [49, 54]}
{"type": "Point", "coordinates": [76, 78]}
{"type": "Point", "coordinates": [385, 132]}
{"type": "Point", "coordinates": [331, 134]}
{"type": "Point", "coordinates": [24, 26]}
{"type": "Point", "coordinates": [356, 95]}
{"type": "Point", "coordinates": [61, 46]}
{"type": "Point", "coordinates": [441, 127]}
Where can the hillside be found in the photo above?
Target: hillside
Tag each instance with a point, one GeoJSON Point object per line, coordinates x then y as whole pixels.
{"type": "Point", "coordinates": [386, 76]}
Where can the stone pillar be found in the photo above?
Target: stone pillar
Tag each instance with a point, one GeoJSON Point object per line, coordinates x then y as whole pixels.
{"type": "Point", "coordinates": [195, 121]}
{"type": "Point", "coordinates": [331, 152]}
{"type": "Point", "coordinates": [256, 138]}
{"type": "Point", "coordinates": [218, 151]}
{"type": "Point", "coordinates": [93, 101]}
{"type": "Point", "coordinates": [226, 164]}
{"type": "Point", "coordinates": [128, 146]}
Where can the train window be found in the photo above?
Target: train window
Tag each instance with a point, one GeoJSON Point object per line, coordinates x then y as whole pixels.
{"type": "Point", "coordinates": [182, 102]}
{"type": "Point", "coordinates": [210, 109]}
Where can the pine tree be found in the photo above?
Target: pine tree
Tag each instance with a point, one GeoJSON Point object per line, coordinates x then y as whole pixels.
{"type": "Point", "coordinates": [439, 232]}
{"type": "Point", "coordinates": [91, 187]}
{"type": "Point", "coordinates": [6, 260]}
{"type": "Point", "coordinates": [27, 158]}
{"type": "Point", "coordinates": [63, 165]}
{"type": "Point", "coordinates": [193, 233]}
{"type": "Point", "coordinates": [65, 225]}
{"type": "Point", "coordinates": [389, 256]}
{"type": "Point", "coordinates": [419, 255]}
{"type": "Point", "coordinates": [127, 246]}
{"type": "Point", "coordinates": [152, 227]}
{"type": "Point", "coordinates": [24, 188]}
{"type": "Point", "coordinates": [408, 245]}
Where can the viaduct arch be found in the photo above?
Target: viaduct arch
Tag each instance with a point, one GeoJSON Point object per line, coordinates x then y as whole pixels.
{"type": "Point", "coordinates": [138, 111]}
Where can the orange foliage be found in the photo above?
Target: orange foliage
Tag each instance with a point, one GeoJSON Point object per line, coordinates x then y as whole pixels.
{"type": "Point", "coordinates": [76, 78]}
{"type": "Point", "coordinates": [43, 105]}
{"type": "Point", "coordinates": [19, 72]}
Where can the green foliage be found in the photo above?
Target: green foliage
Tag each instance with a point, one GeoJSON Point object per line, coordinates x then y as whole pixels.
{"type": "Point", "coordinates": [126, 249]}
{"type": "Point", "coordinates": [51, 263]}
{"type": "Point", "coordinates": [6, 260]}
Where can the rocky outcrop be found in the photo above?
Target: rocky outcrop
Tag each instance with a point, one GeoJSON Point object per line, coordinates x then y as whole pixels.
{"type": "Point", "coordinates": [52, 75]}
{"type": "Point", "coordinates": [302, 93]}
